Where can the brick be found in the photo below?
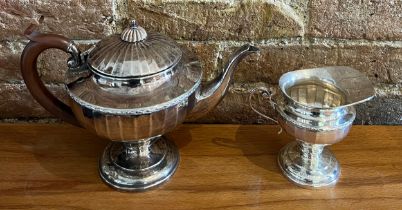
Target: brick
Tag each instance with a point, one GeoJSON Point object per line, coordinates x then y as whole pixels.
{"type": "Point", "coordinates": [382, 64]}
{"type": "Point", "coordinates": [234, 108]}
{"type": "Point", "coordinates": [300, 7]}
{"type": "Point", "coordinates": [207, 53]}
{"type": "Point", "coordinates": [394, 57]}
{"type": "Point", "coordinates": [365, 19]}
{"type": "Point", "coordinates": [217, 20]}
{"type": "Point", "coordinates": [275, 60]}
{"type": "Point", "coordinates": [17, 102]}
{"type": "Point", "coordinates": [382, 110]}
{"type": "Point", "coordinates": [52, 63]}
{"type": "Point", "coordinates": [75, 19]}
{"type": "Point", "coordinates": [10, 61]}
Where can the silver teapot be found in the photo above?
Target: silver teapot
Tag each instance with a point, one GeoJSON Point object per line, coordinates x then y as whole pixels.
{"type": "Point", "coordinates": [130, 88]}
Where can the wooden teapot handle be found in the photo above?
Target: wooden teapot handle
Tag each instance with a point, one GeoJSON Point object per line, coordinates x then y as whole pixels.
{"type": "Point", "coordinates": [39, 43]}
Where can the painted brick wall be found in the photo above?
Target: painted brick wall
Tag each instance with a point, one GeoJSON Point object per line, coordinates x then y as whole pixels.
{"type": "Point", "coordinates": [293, 34]}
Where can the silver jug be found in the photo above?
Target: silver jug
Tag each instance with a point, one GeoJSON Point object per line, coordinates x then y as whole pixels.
{"type": "Point", "coordinates": [316, 106]}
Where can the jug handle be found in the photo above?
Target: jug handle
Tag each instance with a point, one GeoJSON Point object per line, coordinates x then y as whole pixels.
{"type": "Point", "coordinates": [39, 43]}
{"type": "Point", "coordinates": [265, 93]}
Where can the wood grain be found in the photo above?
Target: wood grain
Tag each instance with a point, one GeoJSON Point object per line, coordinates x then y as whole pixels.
{"type": "Point", "coordinates": [54, 166]}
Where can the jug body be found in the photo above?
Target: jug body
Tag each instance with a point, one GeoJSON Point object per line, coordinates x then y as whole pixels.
{"type": "Point", "coordinates": [316, 106]}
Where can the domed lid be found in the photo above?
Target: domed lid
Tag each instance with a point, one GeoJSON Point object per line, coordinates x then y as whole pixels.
{"type": "Point", "coordinates": [134, 53]}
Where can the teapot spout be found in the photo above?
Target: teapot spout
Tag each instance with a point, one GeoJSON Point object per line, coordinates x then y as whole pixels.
{"type": "Point", "coordinates": [210, 94]}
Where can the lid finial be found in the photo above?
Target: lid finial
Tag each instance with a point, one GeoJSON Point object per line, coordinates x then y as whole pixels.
{"type": "Point", "coordinates": [133, 33]}
{"type": "Point", "coordinates": [133, 24]}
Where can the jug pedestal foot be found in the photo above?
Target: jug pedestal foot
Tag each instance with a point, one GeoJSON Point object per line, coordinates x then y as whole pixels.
{"type": "Point", "coordinates": [309, 165]}
{"type": "Point", "coordinates": [138, 165]}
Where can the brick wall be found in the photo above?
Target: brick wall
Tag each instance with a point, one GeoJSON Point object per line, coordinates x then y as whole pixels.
{"type": "Point", "coordinates": [293, 34]}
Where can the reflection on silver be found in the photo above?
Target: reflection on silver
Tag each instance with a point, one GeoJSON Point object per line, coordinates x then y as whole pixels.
{"type": "Point", "coordinates": [316, 107]}
{"type": "Point", "coordinates": [309, 165]}
{"type": "Point", "coordinates": [132, 89]}
{"type": "Point", "coordinates": [140, 165]}
{"type": "Point", "coordinates": [133, 33]}
{"type": "Point", "coordinates": [116, 58]}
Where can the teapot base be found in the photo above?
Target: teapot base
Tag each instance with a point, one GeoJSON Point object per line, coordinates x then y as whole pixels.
{"type": "Point", "coordinates": [138, 165]}
{"type": "Point", "coordinates": [309, 165]}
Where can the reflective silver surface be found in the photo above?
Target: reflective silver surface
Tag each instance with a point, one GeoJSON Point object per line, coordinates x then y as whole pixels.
{"type": "Point", "coordinates": [134, 33]}
{"type": "Point", "coordinates": [211, 93]}
{"type": "Point", "coordinates": [342, 81]}
{"type": "Point", "coordinates": [135, 87]}
{"type": "Point", "coordinates": [309, 165]}
{"type": "Point", "coordinates": [316, 107]}
{"type": "Point", "coordinates": [140, 95]}
{"type": "Point", "coordinates": [130, 88]}
{"type": "Point", "coordinates": [139, 165]}
{"type": "Point", "coordinates": [135, 53]}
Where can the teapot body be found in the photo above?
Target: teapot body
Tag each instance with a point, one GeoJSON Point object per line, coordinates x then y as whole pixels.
{"type": "Point", "coordinates": [136, 108]}
{"type": "Point", "coordinates": [131, 89]}
{"type": "Point", "coordinates": [131, 124]}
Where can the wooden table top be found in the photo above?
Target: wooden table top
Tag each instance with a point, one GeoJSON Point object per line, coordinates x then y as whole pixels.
{"type": "Point", "coordinates": [54, 166]}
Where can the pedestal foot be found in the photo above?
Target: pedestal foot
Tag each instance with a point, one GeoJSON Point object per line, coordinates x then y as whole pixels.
{"type": "Point", "coordinates": [139, 165]}
{"type": "Point", "coordinates": [309, 165]}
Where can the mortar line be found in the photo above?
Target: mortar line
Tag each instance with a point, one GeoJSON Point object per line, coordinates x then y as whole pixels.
{"type": "Point", "coordinates": [271, 42]}
{"type": "Point", "coordinates": [287, 41]}
{"type": "Point", "coordinates": [20, 83]}
{"type": "Point", "coordinates": [381, 89]}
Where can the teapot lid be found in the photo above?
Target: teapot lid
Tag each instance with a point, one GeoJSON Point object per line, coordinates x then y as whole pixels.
{"type": "Point", "coordinates": [134, 53]}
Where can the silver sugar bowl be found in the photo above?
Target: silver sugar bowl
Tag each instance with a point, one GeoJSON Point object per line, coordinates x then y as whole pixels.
{"type": "Point", "coordinates": [131, 89]}
{"type": "Point", "coordinates": [316, 106]}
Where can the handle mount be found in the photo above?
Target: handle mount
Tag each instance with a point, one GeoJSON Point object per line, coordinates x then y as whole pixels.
{"type": "Point", "coordinates": [266, 94]}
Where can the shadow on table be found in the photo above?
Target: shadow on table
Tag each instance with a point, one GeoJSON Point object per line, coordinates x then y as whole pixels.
{"type": "Point", "coordinates": [71, 153]}
{"type": "Point", "coordinates": [65, 151]}
{"type": "Point", "coordinates": [181, 136]}
{"type": "Point", "coordinates": [260, 144]}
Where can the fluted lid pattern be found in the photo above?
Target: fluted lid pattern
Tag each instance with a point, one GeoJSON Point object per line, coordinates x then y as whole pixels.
{"type": "Point", "coordinates": [134, 53]}
{"type": "Point", "coordinates": [133, 33]}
